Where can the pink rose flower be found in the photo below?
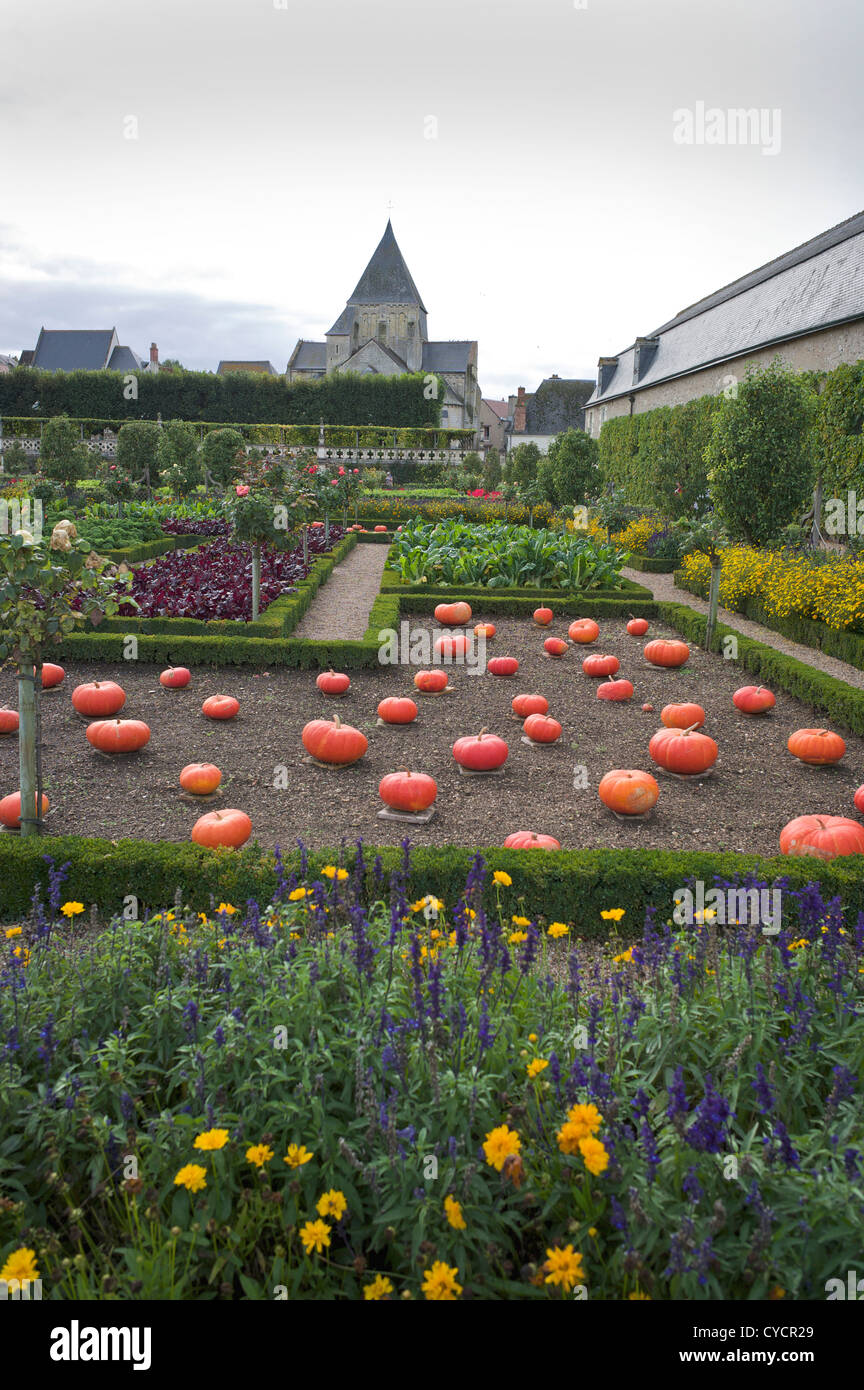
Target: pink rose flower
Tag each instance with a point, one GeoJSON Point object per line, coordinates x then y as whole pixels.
{"type": "Point", "coordinates": [241, 490]}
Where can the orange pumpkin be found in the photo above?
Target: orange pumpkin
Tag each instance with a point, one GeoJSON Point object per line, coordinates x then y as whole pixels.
{"type": "Point", "coordinates": [229, 828]}
{"type": "Point", "coordinates": [583, 630]}
{"type": "Point", "coordinates": [555, 646]}
{"type": "Point", "coordinates": [175, 678]}
{"type": "Point", "coordinates": [486, 630]}
{"type": "Point", "coordinates": [637, 627]}
{"type": "Point", "coordinates": [481, 752]}
{"type": "Point", "coordinates": [51, 675]}
{"type": "Point", "coordinates": [822, 837]}
{"type": "Point", "coordinates": [397, 709]}
{"type": "Point", "coordinates": [453, 614]}
{"type": "Point", "coordinates": [118, 735]}
{"type": "Point", "coordinates": [220, 707]}
{"type": "Point", "coordinates": [10, 809]}
{"type": "Point", "coordinates": [600, 665]}
{"type": "Point", "coordinates": [753, 699]}
{"type": "Point", "coordinates": [858, 800]}
{"type": "Point", "coordinates": [377, 528]}
{"type": "Point", "coordinates": [529, 839]}
{"type": "Point", "coordinates": [331, 741]}
{"type": "Point", "coordinates": [429, 681]}
{"type": "Point", "coordinates": [523, 705]}
{"type": "Point", "coordinates": [200, 778]}
{"type": "Point", "coordinates": [662, 652]}
{"type": "Point", "coordinates": [9, 720]}
{"type": "Point", "coordinates": [817, 747]}
{"type": "Point", "coordinates": [332, 682]}
{"type": "Point", "coordinates": [452, 645]}
{"type": "Point", "coordinates": [98, 699]}
{"type": "Point", "coordinates": [502, 666]}
{"type": "Point", "coordinates": [615, 690]}
{"type": "Point", "coordinates": [408, 791]}
{"type": "Point", "coordinates": [682, 716]}
{"type": "Point", "coordinates": [543, 616]}
{"type": "Point", "coordinates": [540, 728]}
{"type": "Point", "coordinates": [683, 751]}
{"type": "Point", "coordinates": [628, 791]}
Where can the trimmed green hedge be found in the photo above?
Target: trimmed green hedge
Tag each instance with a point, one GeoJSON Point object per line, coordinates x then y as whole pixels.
{"type": "Point", "coordinates": [391, 584]}
{"type": "Point", "coordinates": [838, 642]}
{"type": "Point", "coordinates": [568, 885]}
{"type": "Point", "coordinates": [151, 550]}
{"type": "Point", "coordinates": [842, 703]}
{"type": "Point", "coordinates": [497, 601]}
{"type": "Point", "coordinates": [651, 564]}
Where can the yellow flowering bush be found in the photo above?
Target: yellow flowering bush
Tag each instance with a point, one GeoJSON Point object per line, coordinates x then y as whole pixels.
{"type": "Point", "coordinates": [786, 584]}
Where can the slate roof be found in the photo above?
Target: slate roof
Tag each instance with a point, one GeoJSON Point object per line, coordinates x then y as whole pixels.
{"type": "Point", "coordinates": [447, 356]}
{"type": "Point", "coordinates": [309, 357]}
{"type": "Point", "coordinates": [342, 324]}
{"type": "Point", "coordinates": [558, 404]}
{"type": "Point", "coordinates": [72, 349]}
{"type": "Point", "coordinates": [123, 359]}
{"type": "Point", "coordinates": [500, 408]}
{"type": "Point", "coordinates": [262, 367]}
{"type": "Point", "coordinates": [812, 287]}
{"type": "Point", "coordinates": [386, 279]}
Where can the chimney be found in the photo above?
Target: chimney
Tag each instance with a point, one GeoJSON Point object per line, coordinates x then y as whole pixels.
{"type": "Point", "coordinates": [154, 358]}
{"type": "Point", "coordinates": [519, 412]}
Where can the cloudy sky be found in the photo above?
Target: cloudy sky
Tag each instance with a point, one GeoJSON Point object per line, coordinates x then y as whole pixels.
{"type": "Point", "coordinates": [214, 174]}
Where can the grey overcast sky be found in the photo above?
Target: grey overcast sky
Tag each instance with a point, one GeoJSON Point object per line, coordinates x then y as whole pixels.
{"type": "Point", "coordinates": [528, 147]}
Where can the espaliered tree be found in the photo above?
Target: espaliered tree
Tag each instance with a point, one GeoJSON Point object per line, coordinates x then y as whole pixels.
{"type": "Point", "coordinates": [255, 521]}
{"type": "Point", "coordinates": [708, 535]}
{"type": "Point", "coordinates": [48, 590]}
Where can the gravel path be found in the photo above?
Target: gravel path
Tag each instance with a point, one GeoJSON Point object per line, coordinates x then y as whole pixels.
{"type": "Point", "coordinates": [341, 608]}
{"type": "Point", "coordinates": [664, 588]}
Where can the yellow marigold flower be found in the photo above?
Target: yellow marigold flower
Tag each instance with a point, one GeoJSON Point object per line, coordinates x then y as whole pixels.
{"type": "Point", "coordinates": [440, 1284]}
{"type": "Point", "coordinates": [592, 1231]}
{"type": "Point", "coordinates": [517, 937]}
{"type": "Point", "coordinates": [625, 958]}
{"type": "Point", "coordinates": [798, 945]}
{"type": "Point", "coordinates": [454, 1213]}
{"type": "Point", "coordinates": [588, 1117]}
{"type": "Point", "coordinates": [21, 1265]}
{"type": "Point", "coordinates": [557, 929]}
{"type": "Point", "coordinates": [329, 871]}
{"type": "Point", "coordinates": [13, 931]}
{"type": "Point", "coordinates": [72, 909]}
{"type": "Point", "coordinates": [315, 1235]}
{"type": "Point", "coordinates": [296, 894]}
{"type": "Point", "coordinates": [613, 914]}
{"type": "Point", "coordinates": [202, 917]}
{"type": "Point", "coordinates": [258, 1155]}
{"type": "Point", "coordinates": [563, 1267]}
{"type": "Point", "coordinates": [378, 1289]}
{"type": "Point", "coordinates": [534, 1068]}
{"type": "Point", "coordinates": [595, 1156]}
{"type": "Point", "coordinates": [193, 1177]}
{"type": "Point", "coordinates": [23, 954]}
{"type": "Point", "coordinates": [639, 1295]}
{"type": "Point", "coordinates": [332, 1203]}
{"type": "Point", "coordinates": [521, 921]}
{"type": "Point", "coordinates": [212, 1139]}
{"type": "Point", "coordinates": [297, 1155]}
{"type": "Point", "coordinates": [226, 907]}
{"type": "Point", "coordinates": [505, 880]}
{"type": "Point", "coordinates": [532, 1037]}
{"type": "Point", "coordinates": [499, 1144]}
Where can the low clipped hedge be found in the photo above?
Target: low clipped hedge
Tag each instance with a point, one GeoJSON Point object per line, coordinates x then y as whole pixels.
{"type": "Point", "coordinates": [837, 642]}
{"type": "Point", "coordinates": [567, 885]}
{"type": "Point", "coordinates": [497, 601]}
{"type": "Point", "coordinates": [391, 583]}
{"type": "Point", "coordinates": [151, 550]}
{"type": "Point", "coordinates": [652, 564]}
{"type": "Point", "coordinates": [842, 703]}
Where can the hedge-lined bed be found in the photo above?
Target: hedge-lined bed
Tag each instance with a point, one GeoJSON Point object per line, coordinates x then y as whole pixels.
{"type": "Point", "coordinates": [651, 564]}
{"type": "Point", "coordinates": [151, 550]}
{"type": "Point", "coordinates": [497, 602]}
{"type": "Point", "coordinates": [838, 642]}
{"type": "Point", "coordinates": [391, 583]}
{"type": "Point", "coordinates": [569, 885]}
{"type": "Point", "coordinates": [842, 703]}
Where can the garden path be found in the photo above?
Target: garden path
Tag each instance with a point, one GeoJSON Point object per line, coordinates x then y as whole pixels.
{"type": "Point", "coordinates": [664, 588]}
{"type": "Point", "coordinates": [340, 609]}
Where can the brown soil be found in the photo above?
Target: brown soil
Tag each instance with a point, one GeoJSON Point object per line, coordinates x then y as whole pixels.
{"type": "Point", "coordinates": [756, 788]}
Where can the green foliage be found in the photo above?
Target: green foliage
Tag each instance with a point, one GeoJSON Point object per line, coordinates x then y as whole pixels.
{"type": "Point", "coordinates": [222, 455]}
{"type": "Point", "coordinates": [568, 473]}
{"type": "Point", "coordinates": [839, 430]}
{"type": "Point", "coordinates": [137, 448]}
{"type": "Point", "coordinates": [502, 556]}
{"type": "Point", "coordinates": [177, 456]}
{"type": "Point", "coordinates": [760, 460]}
{"type": "Point", "coordinates": [62, 455]}
{"type": "Point", "coordinates": [492, 470]}
{"type": "Point", "coordinates": [656, 458]}
{"type": "Point", "coordinates": [522, 464]}
{"type": "Point", "coordinates": [15, 457]}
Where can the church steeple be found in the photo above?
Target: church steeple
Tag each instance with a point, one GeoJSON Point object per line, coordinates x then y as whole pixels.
{"type": "Point", "coordinates": [387, 279]}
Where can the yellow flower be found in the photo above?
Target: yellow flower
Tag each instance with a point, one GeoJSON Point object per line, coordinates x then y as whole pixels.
{"type": "Point", "coordinates": [563, 1267]}
{"type": "Point", "coordinates": [586, 1116]}
{"type": "Point", "coordinates": [72, 909]}
{"type": "Point", "coordinates": [202, 917]}
{"type": "Point", "coordinates": [23, 954]}
{"type": "Point", "coordinates": [499, 1144]}
{"type": "Point", "coordinates": [13, 931]}
{"type": "Point", "coordinates": [505, 880]}
{"type": "Point", "coordinates": [193, 1177]}
{"type": "Point", "coordinates": [532, 1037]}
{"type": "Point", "coordinates": [613, 914]}
{"type": "Point", "coordinates": [315, 1235]}
{"type": "Point", "coordinates": [297, 894]}
{"type": "Point", "coordinates": [439, 1284]}
{"type": "Point", "coordinates": [333, 1204]}
{"type": "Point", "coordinates": [258, 1155]}
{"type": "Point", "coordinates": [798, 945]}
{"type": "Point", "coordinates": [212, 1139]}
{"type": "Point", "coordinates": [625, 958]}
{"type": "Point", "coordinates": [21, 1265]}
{"type": "Point", "coordinates": [521, 921]}
{"type": "Point", "coordinates": [297, 1155]}
{"type": "Point", "coordinates": [639, 1295]}
{"type": "Point", "coordinates": [534, 1068]}
{"type": "Point", "coordinates": [557, 929]}
{"type": "Point", "coordinates": [592, 1231]}
{"type": "Point", "coordinates": [517, 937]}
{"type": "Point", "coordinates": [595, 1156]}
{"type": "Point", "coordinates": [226, 907]}
{"type": "Point", "coordinates": [378, 1289]}
{"type": "Point", "coordinates": [454, 1213]}
{"type": "Point", "coordinates": [329, 871]}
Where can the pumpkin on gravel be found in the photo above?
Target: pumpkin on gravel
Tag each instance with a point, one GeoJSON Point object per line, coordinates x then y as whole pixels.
{"type": "Point", "coordinates": [118, 735]}
{"type": "Point", "coordinates": [226, 829]}
{"type": "Point", "coordinates": [816, 747]}
{"type": "Point", "coordinates": [822, 837]}
{"type": "Point", "coordinates": [397, 709]}
{"type": "Point", "coordinates": [453, 614]}
{"type": "Point", "coordinates": [408, 791]}
{"type": "Point", "coordinates": [9, 720]}
{"type": "Point", "coordinates": [431, 682]}
{"type": "Point", "coordinates": [332, 682]}
{"type": "Point", "coordinates": [331, 741]}
{"type": "Point", "coordinates": [683, 751]}
{"type": "Point", "coordinates": [583, 630]}
{"type": "Point", "coordinates": [10, 809]}
{"type": "Point", "coordinates": [220, 707]}
{"type": "Point", "coordinates": [530, 839]}
{"type": "Point", "coordinates": [523, 705]}
{"type": "Point", "coordinates": [481, 752]}
{"type": "Point", "coordinates": [541, 729]}
{"type": "Point", "coordinates": [628, 791]}
{"type": "Point", "coordinates": [98, 699]}
{"type": "Point", "coordinates": [682, 716]}
{"type": "Point", "coordinates": [663, 652]}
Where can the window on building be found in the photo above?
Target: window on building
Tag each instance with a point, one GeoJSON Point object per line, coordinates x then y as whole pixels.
{"type": "Point", "coordinates": [382, 332]}
{"type": "Point", "coordinates": [445, 416]}
{"type": "Point", "coordinates": [356, 331]}
{"type": "Point", "coordinates": [410, 328]}
{"type": "Point", "coordinates": [485, 431]}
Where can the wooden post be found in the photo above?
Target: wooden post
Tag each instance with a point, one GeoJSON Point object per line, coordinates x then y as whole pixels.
{"type": "Point", "coordinates": [306, 546]}
{"type": "Point", "coordinates": [256, 581]}
{"type": "Point", "coordinates": [27, 755]}
{"type": "Point", "coordinates": [713, 600]}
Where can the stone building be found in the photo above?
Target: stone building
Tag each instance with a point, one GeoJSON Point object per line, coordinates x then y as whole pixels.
{"type": "Point", "coordinates": [493, 424]}
{"type": "Point", "coordinates": [807, 307]}
{"type": "Point", "coordinates": [383, 329]}
{"type": "Point", "coordinates": [86, 350]}
{"type": "Point", "coordinates": [536, 417]}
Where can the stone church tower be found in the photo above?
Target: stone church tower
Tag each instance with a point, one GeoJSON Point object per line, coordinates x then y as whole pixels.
{"type": "Point", "coordinates": [383, 329]}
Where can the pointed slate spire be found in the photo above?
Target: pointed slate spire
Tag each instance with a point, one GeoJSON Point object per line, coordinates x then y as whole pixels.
{"type": "Point", "coordinates": [387, 279]}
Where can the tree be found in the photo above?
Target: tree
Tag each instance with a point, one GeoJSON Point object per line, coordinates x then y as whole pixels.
{"type": "Point", "coordinates": [222, 454]}
{"type": "Point", "coordinates": [47, 590]}
{"type": "Point", "coordinates": [760, 466]}
{"type": "Point", "coordinates": [62, 455]}
{"type": "Point", "coordinates": [15, 457]}
{"type": "Point", "coordinates": [492, 470]}
{"type": "Point", "coordinates": [137, 446]}
{"type": "Point", "coordinates": [569, 472]}
{"type": "Point", "coordinates": [177, 456]}
{"type": "Point", "coordinates": [523, 464]}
